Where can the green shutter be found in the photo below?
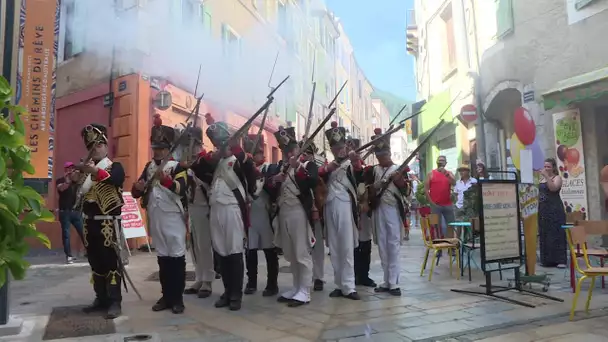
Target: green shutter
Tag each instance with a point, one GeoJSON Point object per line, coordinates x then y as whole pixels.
{"type": "Point", "coordinates": [504, 17]}
{"type": "Point", "coordinates": [205, 13]}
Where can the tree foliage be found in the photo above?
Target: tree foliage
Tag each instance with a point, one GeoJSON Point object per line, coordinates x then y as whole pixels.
{"type": "Point", "coordinates": [21, 207]}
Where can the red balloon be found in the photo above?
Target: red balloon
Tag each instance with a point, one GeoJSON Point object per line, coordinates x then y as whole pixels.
{"type": "Point", "coordinates": [525, 128]}
{"type": "Point", "coordinates": [573, 156]}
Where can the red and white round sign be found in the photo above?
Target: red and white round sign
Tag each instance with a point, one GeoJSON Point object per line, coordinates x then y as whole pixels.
{"type": "Point", "coordinates": [468, 113]}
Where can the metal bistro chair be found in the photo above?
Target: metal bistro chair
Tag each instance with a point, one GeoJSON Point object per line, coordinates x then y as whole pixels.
{"type": "Point", "coordinates": [436, 246]}
{"type": "Point", "coordinates": [470, 243]}
{"type": "Point", "coordinates": [577, 236]}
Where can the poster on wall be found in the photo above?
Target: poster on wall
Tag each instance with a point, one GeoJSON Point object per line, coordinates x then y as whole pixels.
{"type": "Point", "coordinates": [39, 27]}
{"type": "Point", "coordinates": [571, 160]}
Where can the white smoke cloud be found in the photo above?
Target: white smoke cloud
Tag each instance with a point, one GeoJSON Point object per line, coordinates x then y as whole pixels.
{"type": "Point", "coordinates": [156, 41]}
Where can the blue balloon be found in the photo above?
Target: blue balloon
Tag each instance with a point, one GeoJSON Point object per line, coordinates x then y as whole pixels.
{"type": "Point", "coordinates": [538, 155]}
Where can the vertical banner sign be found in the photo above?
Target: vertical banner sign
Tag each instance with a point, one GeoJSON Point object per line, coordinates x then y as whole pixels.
{"type": "Point", "coordinates": [38, 43]}
{"type": "Point", "coordinates": [571, 160]}
{"type": "Point", "coordinates": [528, 203]}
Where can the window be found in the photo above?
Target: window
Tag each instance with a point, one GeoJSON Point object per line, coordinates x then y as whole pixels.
{"type": "Point", "coordinates": [73, 42]}
{"type": "Point", "coordinates": [504, 17]}
{"type": "Point", "coordinates": [282, 19]}
{"type": "Point", "coordinates": [449, 53]}
{"type": "Point", "coordinates": [189, 11]}
{"type": "Point", "coordinates": [231, 42]}
{"type": "Point", "coordinates": [204, 13]}
{"type": "Point", "coordinates": [359, 86]}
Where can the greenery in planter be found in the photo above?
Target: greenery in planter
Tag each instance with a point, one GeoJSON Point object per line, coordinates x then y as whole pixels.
{"type": "Point", "coordinates": [470, 203]}
{"type": "Point", "coordinates": [421, 196]}
{"type": "Point", "coordinates": [20, 206]}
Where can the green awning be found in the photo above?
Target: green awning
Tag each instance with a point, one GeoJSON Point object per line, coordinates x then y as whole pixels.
{"type": "Point", "coordinates": [579, 88]}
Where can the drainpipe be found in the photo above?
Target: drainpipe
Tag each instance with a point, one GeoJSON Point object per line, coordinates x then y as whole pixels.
{"type": "Point", "coordinates": [480, 132]}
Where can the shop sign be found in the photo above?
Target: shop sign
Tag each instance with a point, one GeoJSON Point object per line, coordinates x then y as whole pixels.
{"type": "Point", "coordinates": [570, 160]}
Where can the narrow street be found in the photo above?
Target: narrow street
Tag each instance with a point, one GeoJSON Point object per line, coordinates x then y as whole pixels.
{"type": "Point", "coordinates": [425, 312]}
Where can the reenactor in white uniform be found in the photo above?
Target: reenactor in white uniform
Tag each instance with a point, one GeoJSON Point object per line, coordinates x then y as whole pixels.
{"type": "Point", "coordinates": [293, 183]}
{"type": "Point", "coordinates": [388, 211]}
{"type": "Point", "coordinates": [234, 181]}
{"type": "Point", "coordinates": [342, 211]}
{"type": "Point", "coordinates": [164, 199]}
{"type": "Point", "coordinates": [261, 232]}
{"type": "Point", "coordinates": [200, 230]}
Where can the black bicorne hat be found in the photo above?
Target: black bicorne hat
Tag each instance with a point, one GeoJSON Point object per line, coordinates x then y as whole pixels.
{"type": "Point", "coordinates": [336, 135]}
{"type": "Point", "coordinates": [286, 137]}
{"type": "Point", "coordinates": [94, 134]}
{"type": "Point", "coordinates": [382, 145]}
{"type": "Point", "coordinates": [161, 136]}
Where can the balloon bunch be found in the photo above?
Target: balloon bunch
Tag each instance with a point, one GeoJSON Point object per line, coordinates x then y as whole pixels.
{"type": "Point", "coordinates": [525, 138]}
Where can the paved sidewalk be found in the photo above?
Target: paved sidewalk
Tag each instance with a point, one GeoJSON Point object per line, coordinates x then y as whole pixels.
{"type": "Point", "coordinates": [427, 311]}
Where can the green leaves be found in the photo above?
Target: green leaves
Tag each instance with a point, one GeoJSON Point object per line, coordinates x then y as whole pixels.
{"type": "Point", "coordinates": [21, 208]}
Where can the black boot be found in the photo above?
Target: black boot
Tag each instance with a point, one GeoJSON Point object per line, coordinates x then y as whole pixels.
{"type": "Point", "coordinates": [252, 271]}
{"type": "Point", "coordinates": [237, 270]}
{"type": "Point", "coordinates": [164, 302]}
{"type": "Point", "coordinates": [272, 266]}
{"type": "Point", "coordinates": [113, 284]}
{"type": "Point", "coordinates": [224, 300]}
{"type": "Point", "coordinates": [216, 265]}
{"type": "Point", "coordinates": [178, 270]}
{"type": "Point", "coordinates": [101, 295]}
{"type": "Point", "coordinates": [357, 264]}
{"type": "Point", "coordinates": [366, 260]}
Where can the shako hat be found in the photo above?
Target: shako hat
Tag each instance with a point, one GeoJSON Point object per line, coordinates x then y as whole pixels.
{"type": "Point", "coordinates": [94, 134]}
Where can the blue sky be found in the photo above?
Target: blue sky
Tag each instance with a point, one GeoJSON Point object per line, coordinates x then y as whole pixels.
{"type": "Point", "coordinates": [377, 33]}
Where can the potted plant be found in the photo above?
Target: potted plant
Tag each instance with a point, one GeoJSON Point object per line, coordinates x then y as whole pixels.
{"type": "Point", "coordinates": [424, 206]}
{"type": "Point", "coordinates": [21, 207]}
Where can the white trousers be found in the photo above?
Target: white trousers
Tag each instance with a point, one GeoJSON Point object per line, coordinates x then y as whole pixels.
{"type": "Point", "coordinates": [295, 240]}
{"type": "Point", "coordinates": [341, 236]}
{"type": "Point", "coordinates": [201, 243]}
{"type": "Point", "coordinates": [168, 231]}
{"type": "Point", "coordinates": [227, 229]}
{"type": "Point", "coordinates": [318, 254]}
{"type": "Point", "coordinates": [388, 228]}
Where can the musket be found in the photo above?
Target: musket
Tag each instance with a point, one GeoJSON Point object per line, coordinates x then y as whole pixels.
{"type": "Point", "coordinates": [390, 124]}
{"type": "Point", "coordinates": [174, 146]}
{"type": "Point", "coordinates": [270, 99]}
{"type": "Point", "coordinates": [392, 129]}
{"type": "Point", "coordinates": [263, 122]}
{"type": "Point", "coordinates": [332, 111]}
{"type": "Point", "coordinates": [375, 196]}
{"type": "Point", "coordinates": [312, 100]}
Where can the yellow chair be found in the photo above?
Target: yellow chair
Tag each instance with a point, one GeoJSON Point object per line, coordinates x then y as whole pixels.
{"type": "Point", "coordinates": [437, 245]}
{"type": "Point", "coordinates": [577, 236]}
{"type": "Point", "coordinates": [435, 226]}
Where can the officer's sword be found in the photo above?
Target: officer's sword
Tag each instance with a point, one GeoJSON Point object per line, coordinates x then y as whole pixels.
{"type": "Point", "coordinates": [123, 270]}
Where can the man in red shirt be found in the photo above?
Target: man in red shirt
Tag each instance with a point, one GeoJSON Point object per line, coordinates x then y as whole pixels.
{"type": "Point", "coordinates": [438, 189]}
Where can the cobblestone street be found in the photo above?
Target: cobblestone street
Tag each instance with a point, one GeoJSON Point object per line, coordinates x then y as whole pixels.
{"type": "Point", "coordinates": [425, 312]}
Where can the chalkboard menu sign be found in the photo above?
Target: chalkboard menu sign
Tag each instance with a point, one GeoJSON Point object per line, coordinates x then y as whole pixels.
{"type": "Point", "coordinates": [499, 221]}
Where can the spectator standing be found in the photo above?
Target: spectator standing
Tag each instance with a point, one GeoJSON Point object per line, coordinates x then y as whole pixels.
{"type": "Point", "coordinates": [438, 189]}
{"type": "Point", "coordinates": [67, 187]}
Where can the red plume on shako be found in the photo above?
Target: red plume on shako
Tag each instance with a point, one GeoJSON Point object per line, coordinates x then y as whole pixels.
{"type": "Point", "coordinates": [209, 119]}
{"type": "Point", "coordinates": [334, 125]}
{"type": "Point", "coordinates": [157, 120]}
{"type": "Point", "coordinates": [377, 130]}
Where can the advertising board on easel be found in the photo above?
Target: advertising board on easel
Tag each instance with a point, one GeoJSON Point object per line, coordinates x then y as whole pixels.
{"type": "Point", "coordinates": [500, 235]}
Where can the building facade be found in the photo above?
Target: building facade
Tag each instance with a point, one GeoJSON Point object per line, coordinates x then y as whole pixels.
{"type": "Point", "coordinates": [444, 81]}
{"type": "Point", "coordinates": [537, 92]}
{"type": "Point", "coordinates": [115, 81]}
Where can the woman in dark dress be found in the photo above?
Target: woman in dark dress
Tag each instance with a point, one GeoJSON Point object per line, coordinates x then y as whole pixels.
{"type": "Point", "coordinates": [551, 217]}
